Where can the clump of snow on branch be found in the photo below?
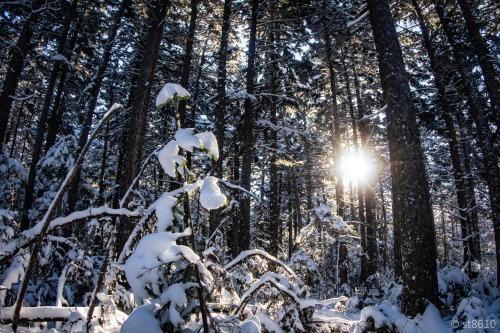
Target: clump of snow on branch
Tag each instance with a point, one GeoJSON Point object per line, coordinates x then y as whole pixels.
{"type": "Point", "coordinates": [170, 91]}
{"type": "Point", "coordinates": [169, 158]}
{"type": "Point", "coordinates": [211, 196]}
{"type": "Point", "coordinates": [164, 212]}
{"type": "Point", "coordinates": [152, 252]}
{"type": "Point", "coordinates": [209, 143]}
{"type": "Point", "coordinates": [186, 140]}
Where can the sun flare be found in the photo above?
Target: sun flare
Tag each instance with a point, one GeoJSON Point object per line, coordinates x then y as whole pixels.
{"type": "Point", "coordinates": [356, 166]}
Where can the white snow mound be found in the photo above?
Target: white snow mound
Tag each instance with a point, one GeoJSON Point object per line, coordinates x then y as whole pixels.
{"type": "Point", "coordinates": [211, 196]}
{"type": "Point", "coordinates": [186, 140]}
{"type": "Point", "coordinates": [169, 91]}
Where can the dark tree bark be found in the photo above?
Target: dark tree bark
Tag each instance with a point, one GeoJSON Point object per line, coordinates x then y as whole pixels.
{"type": "Point", "coordinates": [220, 108]}
{"type": "Point", "coordinates": [42, 122]}
{"type": "Point", "coordinates": [367, 184]}
{"type": "Point", "coordinates": [484, 56]}
{"type": "Point", "coordinates": [141, 93]}
{"type": "Point", "coordinates": [58, 109]}
{"type": "Point", "coordinates": [184, 119]}
{"type": "Point", "coordinates": [247, 132]}
{"type": "Point", "coordinates": [488, 138]}
{"type": "Point", "coordinates": [94, 95]}
{"type": "Point", "coordinates": [15, 67]}
{"type": "Point", "coordinates": [336, 140]}
{"type": "Point", "coordinates": [412, 211]}
{"type": "Point", "coordinates": [465, 197]}
{"type": "Point", "coordinates": [274, 194]}
{"type": "Point", "coordinates": [339, 189]}
{"type": "Point", "coordinates": [364, 224]}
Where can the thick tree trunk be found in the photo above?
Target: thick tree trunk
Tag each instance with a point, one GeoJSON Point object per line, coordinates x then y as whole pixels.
{"type": "Point", "coordinates": [15, 67]}
{"type": "Point", "coordinates": [140, 104]}
{"type": "Point", "coordinates": [412, 209]}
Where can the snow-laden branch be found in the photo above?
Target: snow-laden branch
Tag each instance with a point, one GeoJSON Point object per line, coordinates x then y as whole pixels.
{"type": "Point", "coordinates": [41, 313]}
{"type": "Point", "coordinates": [278, 282]}
{"type": "Point", "coordinates": [136, 179]}
{"type": "Point", "coordinates": [47, 219]}
{"type": "Point", "coordinates": [251, 253]}
{"type": "Point", "coordinates": [288, 130]}
{"type": "Point", "coordinates": [27, 237]}
{"type": "Point", "coordinates": [236, 187]}
{"type": "Point", "coordinates": [358, 19]}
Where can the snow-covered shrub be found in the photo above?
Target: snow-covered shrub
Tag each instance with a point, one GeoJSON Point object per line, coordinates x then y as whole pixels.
{"type": "Point", "coordinates": [392, 291]}
{"type": "Point", "coordinates": [485, 287]}
{"type": "Point", "coordinates": [13, 176]}
{"type": "Point", "coordinates": [454, 285]}
{"type": "Point", "coordinates": [475, 316]}
{"type": "Point", "coordinates": [305, 266]}
{"type": "Point", "coordinates": [52, 168]}
{"type": "Point", "coordinates": [382, 319]}
{"type": "Point", "coordinates": [282, 296]}
{"type": "Point", "coordinates": [320, 240]}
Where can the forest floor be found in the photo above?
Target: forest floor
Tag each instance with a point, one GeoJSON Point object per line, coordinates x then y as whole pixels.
{"type": "Point", "coordinates": [326, 320]}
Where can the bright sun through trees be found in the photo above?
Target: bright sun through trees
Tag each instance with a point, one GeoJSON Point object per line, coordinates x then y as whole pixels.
{"type": "Point", "coordinates": [356, 166]}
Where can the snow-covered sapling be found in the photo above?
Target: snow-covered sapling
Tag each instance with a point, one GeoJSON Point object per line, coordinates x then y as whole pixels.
{"type": "Point", "coordinates": [167, 278]}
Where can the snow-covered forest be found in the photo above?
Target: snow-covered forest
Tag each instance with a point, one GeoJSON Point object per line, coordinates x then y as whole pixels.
{"type": "Point", "coordinates": [245, 166]}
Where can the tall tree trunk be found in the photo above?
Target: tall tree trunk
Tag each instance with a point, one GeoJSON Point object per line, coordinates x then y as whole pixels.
{"type": "Point", "coordinates": [468, 219]}
{"type": "Point", "coordinates": [485, 58]}
{"type": "Point", "coordinates": [412, 209]}
{"type": "Point", "coordinates": [94, 95]}
{"type": "Point", "coordinates": [57, 110]}
{"type": "Point", "coordinates": [15, 67]}
{"type": "Point", "coordinates": [274, 194]}
{"type": "Point", "coordinates": [220, 108]}
{"type": "Point", "coordinates": [247, 132]}
{"type": "Point", "coordinates": [42, 122]}
{"type": "Point", "coordinates": [336, 138]}
{"type": "Point", "coordinates": [366, 225]}
{"type": "Point", "coordinates": [339, 189]}
{"type": "Point", "coordinates": [488, 139]}
{"type": "Point", "coordinates": [186, 68]}
{"type": "Point", "coordinates": [141, 97]}
{"type": "Point", "coordinates": [369, 195]}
